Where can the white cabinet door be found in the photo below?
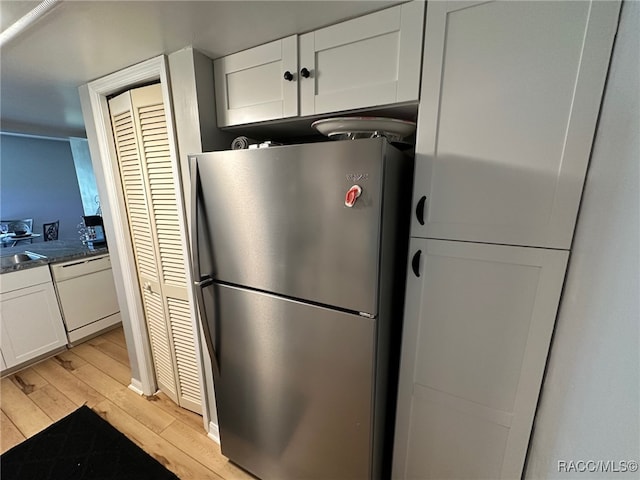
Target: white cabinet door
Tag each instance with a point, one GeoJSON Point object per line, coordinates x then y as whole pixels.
{"type": "Point", "coordinates": [253, 85]}
{"type": "Point", "coordinates": [477, 328]}
{"type": "Point", "coordinates": [365, 62]}
{"type": "Point", "coordinates": [510, 99]}
{"type": "Point", "coordinates": [31, 323]}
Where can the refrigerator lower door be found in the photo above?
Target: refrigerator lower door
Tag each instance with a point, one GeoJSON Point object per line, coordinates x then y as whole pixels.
{"type": "Point", "coordinates": [295, 388]}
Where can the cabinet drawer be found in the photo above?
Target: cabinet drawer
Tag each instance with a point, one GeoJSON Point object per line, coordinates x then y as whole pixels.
{"type": "Point", "coordinates": [25, 278]}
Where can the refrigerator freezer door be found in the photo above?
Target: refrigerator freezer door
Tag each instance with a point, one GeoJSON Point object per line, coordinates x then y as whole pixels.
{"type": "Point", "coordinates": [295, 389]}
{"type": "Point", "coordinates": [276, 220]}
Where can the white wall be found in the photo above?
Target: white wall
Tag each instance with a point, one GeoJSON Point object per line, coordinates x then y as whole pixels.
{"type": "Point", "coordinates": [38, 181]}
{"type": "Point", "coordinates": [589, 407]}
{"type": "Point", "coordinates": [196, 130]}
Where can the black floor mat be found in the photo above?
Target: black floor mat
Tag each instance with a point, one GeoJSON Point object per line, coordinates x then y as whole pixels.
{"type": "Point", "coordinates": [80, 446]}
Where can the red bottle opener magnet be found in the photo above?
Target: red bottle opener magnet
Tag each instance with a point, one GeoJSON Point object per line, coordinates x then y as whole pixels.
{"type": "Point", "coordinates": [352, 195]}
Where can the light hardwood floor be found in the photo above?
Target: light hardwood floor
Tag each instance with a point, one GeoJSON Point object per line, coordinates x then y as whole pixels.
{"type": "Point", "coordinates": [96, 373]}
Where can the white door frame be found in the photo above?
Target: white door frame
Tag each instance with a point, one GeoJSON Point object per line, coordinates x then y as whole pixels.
{"type": "Point", "coordinates": [99, 133]}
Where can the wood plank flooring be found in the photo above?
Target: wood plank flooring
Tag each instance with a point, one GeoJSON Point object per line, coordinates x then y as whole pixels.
{"type": "Point", "coordinates": [96, 373]}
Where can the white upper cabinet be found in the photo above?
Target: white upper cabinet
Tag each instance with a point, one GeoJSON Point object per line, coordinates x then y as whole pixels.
{"type": "Point", "coordinates": [258, 84]}
{"type": "Point", "coordinates": [365, 62]}
{"type": "Point", "coordinates": [478, 321]}
{"type": "Point", "coordinates": [510, 99]}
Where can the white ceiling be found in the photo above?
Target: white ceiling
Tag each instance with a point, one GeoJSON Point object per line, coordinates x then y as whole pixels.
{"type": "Point", "coordinates": [79, 41]}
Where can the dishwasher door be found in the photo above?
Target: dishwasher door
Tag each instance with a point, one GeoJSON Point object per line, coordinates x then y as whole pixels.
{"type": "Point", "coordinates": [86, 291]}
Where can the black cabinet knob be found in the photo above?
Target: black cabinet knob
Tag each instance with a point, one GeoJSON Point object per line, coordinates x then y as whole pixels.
{"type": "Point", "coordinates": [305, 73]}
{"type": "Point", "coordinates": [420, 210]}
{"type": "Point", "coordinates": [415, 263]}
{"type": "Point", "coordinates": [288, 76]}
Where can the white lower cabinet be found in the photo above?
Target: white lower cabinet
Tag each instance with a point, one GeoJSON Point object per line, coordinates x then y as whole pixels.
{"type": "Point", "coordinates": [478, 323]}
{"type": "Point", "coordinates": [31, 321]}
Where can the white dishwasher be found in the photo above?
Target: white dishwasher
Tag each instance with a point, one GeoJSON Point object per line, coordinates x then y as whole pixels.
{"type": "Point", "coordinates": [87, 296]}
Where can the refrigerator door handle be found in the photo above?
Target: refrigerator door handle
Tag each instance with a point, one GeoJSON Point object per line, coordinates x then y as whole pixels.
{"type": "Point", "coordinates": [204, 281]}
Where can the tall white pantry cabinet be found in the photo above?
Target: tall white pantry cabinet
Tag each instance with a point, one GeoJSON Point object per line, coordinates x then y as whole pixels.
{"type": "Point", "coordinates": [509, 104]}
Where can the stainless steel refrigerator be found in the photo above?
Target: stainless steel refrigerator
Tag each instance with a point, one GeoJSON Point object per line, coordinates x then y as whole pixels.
{"type": "Point", "coordinates": [299, 256]}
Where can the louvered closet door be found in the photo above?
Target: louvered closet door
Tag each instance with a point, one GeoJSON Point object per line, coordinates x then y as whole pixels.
{"type": "Point", "coordinates": [147, 177]}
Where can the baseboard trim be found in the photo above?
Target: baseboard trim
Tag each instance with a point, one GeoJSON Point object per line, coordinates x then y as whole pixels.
{"type": "Point", "coordinates": [214, 433]}
{"type": "Point", "coordinates": [136, 386]}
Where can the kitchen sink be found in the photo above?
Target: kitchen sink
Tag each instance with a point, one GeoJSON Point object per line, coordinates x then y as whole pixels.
{"type": "Point", "coordinates": [19, 258]}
